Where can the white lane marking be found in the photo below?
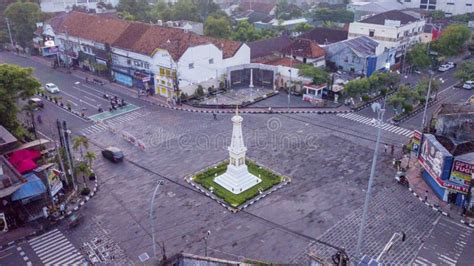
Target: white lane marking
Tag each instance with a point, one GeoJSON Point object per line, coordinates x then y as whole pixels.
{"type": "Point", "coordinates": [90, 99]}
{"type": "Point", "coordinates": [91, 94]}
{"type": "Point", "coordinates": [43, 235]}
{"type": "Point", "coordinates": [79, 99]}
{"type": "Point", "coordinates": [73, 103]}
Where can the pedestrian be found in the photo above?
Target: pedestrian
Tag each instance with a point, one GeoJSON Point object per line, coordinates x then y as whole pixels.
{"type": "Point", "coordinates": [385, 148]}
{"type": "Point", "coordinates": [39, 119]}
{"type": "Point", "coordinates": [214, 115]}
{"type": "Point", "coordinates": [392, 150]}
{"type": "Point", "coordinates": [426, 195]}
{"type": "Point", "coordinates": [62, 208]}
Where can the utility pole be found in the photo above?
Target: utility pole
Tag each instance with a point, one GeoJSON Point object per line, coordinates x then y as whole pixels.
{"type": "Point", "coordinates": [67, 148]}
{"type": "Point", "coordinates": [10, 32]}
{"type": "Point", "coordinates": [426, 102]}
{"type": "Point", "coordinates": [152, 223]}
{"type": "Point", "coordinates": [376, 107]}
{"type": "Point", "coordinates": [206, 238]}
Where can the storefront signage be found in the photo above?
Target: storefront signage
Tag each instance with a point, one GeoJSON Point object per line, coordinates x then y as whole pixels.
{"type": "Point", "coordinates": [54, 181]}
{"type": "Point", "coordinates": [124, 79]}
{"type": "Point", "coordinates": [435, 158]}
{"type": "Point", "coordinates": [47, 51]}
{"type": "Point", "coordinates": [456, 187]}
{"type": "Point", "coordinates": [416, 140]}
{"type": "Point", "coordinates": [462, 172]}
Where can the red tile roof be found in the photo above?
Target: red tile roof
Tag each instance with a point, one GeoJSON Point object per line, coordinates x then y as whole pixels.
{"type": "Point", "coordinates": [260, 7]}
{"type": "Point", "coordinates": [304, 48]}
{"type": "Point", "coordinates": [280, 61]}
{"type": "Point", "coordinates": [136, 36]}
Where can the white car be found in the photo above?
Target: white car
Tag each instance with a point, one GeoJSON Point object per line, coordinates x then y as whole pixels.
{"type": "Point", "coordinates": [468, 85]}
{"type": "Point", "coordinates": [51, 88]}
{"type": "Point", "coordinates": [444, 68]}
{"type": "Point", "coordinates": [451, 64]}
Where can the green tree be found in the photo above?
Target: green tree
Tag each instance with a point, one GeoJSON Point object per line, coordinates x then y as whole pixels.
{"type": "Point", "coordinates": [333, 15]}
{"type": "Point", "coordinates": [418, 56]}
{"type": "Point", "coordinates": [452, 40]}
{"type": "Point", "coordinates": [206, 7]}
{"type": "Point", "coordinates": [437, 14]}
{"type": "Point", "coordinates": [465, 71]}
{"type": "Point", "coordinates": [134, 9]}
{"type": "Point", "coordinates": [161, 11]}
{"type": "Point", "coordinates": [23, 17]}
{"type": "Point", "coordinates": [90, 157]}
{"type": "Point", "coordinates": [302, 27]}
{"type": "Point", "coordinates": [83, 169]}
{"type": "Point", "coordinates": [318, 75]}
{"type": "Point", "coordinates": [80, 143]}
{"type": "Point", "coordinates": [185, 10]}
{"type": "Point", "coordinates": [218, 27]}
{"type": "Point", "coordinates": [281, 8]}
{"type": "Point", "coordinates": [246, 32]}
{"type": "Point", "coordinates": [15, 83]}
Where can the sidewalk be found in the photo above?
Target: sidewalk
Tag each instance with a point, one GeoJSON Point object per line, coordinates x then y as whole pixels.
{"type": "Point", "coordinates": [161, 101]}
{"type": "Point", "coordinates": [419, 187]}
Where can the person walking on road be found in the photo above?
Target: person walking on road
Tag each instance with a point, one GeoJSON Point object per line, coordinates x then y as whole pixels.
{"type": "Point", "coordinates": [214, 115]}
{"type": "Point", "coordinates": [40, 121]}
{"type": "Point", "coordinates": [385, 148]}
{"type": "Point", "coordinates": [392, 149]}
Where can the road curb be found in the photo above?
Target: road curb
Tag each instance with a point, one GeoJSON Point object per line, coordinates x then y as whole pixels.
{"type": "Point", "coordinates": [437, 208]}
{"type": "Point", "coordinates": [41, 231]}
{"type": "Point", "coordinates": [64, 107]}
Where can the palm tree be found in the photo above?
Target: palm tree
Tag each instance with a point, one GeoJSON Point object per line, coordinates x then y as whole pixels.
{"type": "Point", "coordinates": [84, 169]}
{"type": "Point", "coordinates": [80, 142]}
{"type": "Point", "coordinates": [90, 157]}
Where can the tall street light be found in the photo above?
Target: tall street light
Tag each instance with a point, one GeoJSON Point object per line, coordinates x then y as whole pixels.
{"type": "Point", "coordinates": [423, 120]}
{"type": "Point", "coordinates": [160, 183]}
{"type": "Point", "coordinates": [380, 110]}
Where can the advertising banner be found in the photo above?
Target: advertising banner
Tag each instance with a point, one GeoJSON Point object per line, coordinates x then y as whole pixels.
{"type": "Point", "coordinates": [54, 181]}
{"type": "Point", "coordinates": [462, 172]}
{"type": "Point", "coordinates": [434, 158]}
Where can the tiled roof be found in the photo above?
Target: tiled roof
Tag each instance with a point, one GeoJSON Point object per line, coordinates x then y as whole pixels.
{"type": "Point", "coordinates": [260, 7]}
{"type": "Point", "coordinates": [304, 48]}
{"type": "Point", "coordinates": [267, 47]}
{"type": "Point", "coordinates": [401, 16]}
{"type": "Point", "coordinates": [325, 36]}
{"type": "Point", "coordinates": [280, 61]}
{"type": "Point", "coordinates": [139, 37]}
{"type": "Point", "coordinates": [362, 45]}
{"type": "Point", "coordinates": [92, 27]}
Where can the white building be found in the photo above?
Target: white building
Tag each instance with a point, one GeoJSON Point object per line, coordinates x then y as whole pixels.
{"type": "Point", "coordinates": [393, 29]}
{"type": "Point", "coordinates": [450, 7]}
{"type": "Point", "coordinates": [153, 58]}
{"type": "Point", "coordinates": [363, 9]}
{"type": "Point", "coordinates": [51, 6]}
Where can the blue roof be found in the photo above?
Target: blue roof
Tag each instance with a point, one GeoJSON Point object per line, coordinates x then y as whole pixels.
{"type": "Point", "coordinates": [33, 187]}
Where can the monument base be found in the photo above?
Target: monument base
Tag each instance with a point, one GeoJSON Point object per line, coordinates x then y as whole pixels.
{"type": "Point", "coordinates": [237, 179]}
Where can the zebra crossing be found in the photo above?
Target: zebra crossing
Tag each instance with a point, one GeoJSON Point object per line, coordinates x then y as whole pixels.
{"type": "Point", "coordinates": [447, 245]}
{"type": "Point", "coordinates": [103, 126]}
{"type": "Point", "coordinates": [53, 248]}
{"type": "Point", "coordinates": [371, 122]}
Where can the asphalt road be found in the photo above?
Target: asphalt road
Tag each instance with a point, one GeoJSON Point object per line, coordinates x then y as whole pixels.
{"type": "Point", "coordinates": [328, 158]}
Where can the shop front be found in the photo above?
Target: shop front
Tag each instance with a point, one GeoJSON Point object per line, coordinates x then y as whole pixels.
{"type": "Point", "coordinates": [122, 78]}
{"type": "Point", "coordinates": [314, 93]}
{"type": "Point", "coordinates": [461, 178]}
{"type": "Point", "coordinates": [437, 162]}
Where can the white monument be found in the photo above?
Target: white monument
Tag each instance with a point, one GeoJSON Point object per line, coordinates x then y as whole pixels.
{"type": "Point", "coordinates": [237, 178]}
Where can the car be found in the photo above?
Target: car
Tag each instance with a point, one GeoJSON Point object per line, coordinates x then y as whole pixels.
{"type": "Point", "coordinates": [36, 103]}
{"type": "Point", "coordinates": [451, 64]}
{"type": "Point", "coordinates": [51, 88]}
{"type": "Point", "coordinates": [443, 68]}
{"type": "Point", "coordinates": [468, 85]}
{"type": "Point", "coordinates": [113, 154]}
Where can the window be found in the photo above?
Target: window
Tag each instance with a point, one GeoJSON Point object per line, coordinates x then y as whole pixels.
{"type": "Point", "coordinates": [371, 33]}
{"type": "Point", "coordinates": [241, 161]}
{"type": "Point", "coordinates": [168, 73]}
{"type": "Point", "coordinates": [450, 4]}
{"type": "Point", "coordinates": [115, 58]}
{"type": "Point", "coordinates": [146, 65]}
{"type": "Point", "coordinates": [191, 66]}
{"type": "Point", "coordinates": [129, 62]}
{"type": "Point", "coordinates": [162, 71]}
{"type": "Point", "coordinates": [211, 61]}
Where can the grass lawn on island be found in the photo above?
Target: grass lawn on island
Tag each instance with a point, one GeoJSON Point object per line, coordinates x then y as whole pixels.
{"type": "Point", "coordinates": [206, 179]}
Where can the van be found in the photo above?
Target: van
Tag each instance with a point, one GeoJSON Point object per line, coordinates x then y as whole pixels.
{"type": "Point", "coordinates": [36, 103]}
{"type": "Point", "coordinates": [468, 85]}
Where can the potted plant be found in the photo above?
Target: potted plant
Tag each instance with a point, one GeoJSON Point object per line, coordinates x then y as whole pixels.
{"type": "Point", "coordinates": [68, 105]}
{"type": "Point", "coordinates": [85, 191]}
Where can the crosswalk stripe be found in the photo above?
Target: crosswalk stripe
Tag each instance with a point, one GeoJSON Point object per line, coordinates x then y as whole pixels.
{"type": "Point", "coordinates": [58, 254]}
{"type": "Point", "coordinates": [418, 262]}
{"type": "Point", "coordinates": [42, 236]}
{"type": "Point", "coordinates": [47, 238]}
{"type": "Point", "coordinates": [47, 248]}
{"type": "Point", "coordinates": [40, 248]}
{"type": "Point", "coordinates": [424, 261]}
{"type": "Point", "coordinates": [383, 126]}
{"type": "Point", "coordinates": [72, 257]}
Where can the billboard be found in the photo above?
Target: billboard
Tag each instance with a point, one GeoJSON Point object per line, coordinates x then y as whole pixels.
{"type": "Point", "coordinates": [462, 172]}
{"type": "Point", "coordinates": [54, 181]}
{"type": "Point", "coordinates": [434, 158]}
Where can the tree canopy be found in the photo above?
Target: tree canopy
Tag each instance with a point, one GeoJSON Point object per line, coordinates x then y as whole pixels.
{"type": "Point", "coordinates": [333, 15]}
{"type": "Point", "coordinates": [418, 56]}
{"type": "Point", "coordinates": [452, 40]}
{"type": "Point", "coordinates": [246, 32]}
{"type": "Point", "coordinates": [318, 75]}
{"type": "Point", "coordinates": [23, 17]}
{"type": "Point", "coordinates": [465, 71]}
{"type": "Point", "coordinates": [15, 83]}
{"type": "Point", "coordinates": [218, 27]}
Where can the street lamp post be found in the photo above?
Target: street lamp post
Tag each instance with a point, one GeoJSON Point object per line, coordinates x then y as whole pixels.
{"type": "Point", "coordinates": [205, 242]}
{"type": "Point", "coordinates": [160, 182]}
{"type": "Point", "coordinates": [289, 90]}
{"type": "Point", "coordinates": [426, 102]}
{"type": "Point", "coordinates": [379, 109]}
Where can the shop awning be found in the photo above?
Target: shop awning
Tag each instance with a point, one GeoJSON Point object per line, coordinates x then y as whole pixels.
{"type": "Point", "coordinates": [21, 155]}
{"type": "Point", "coordinates": [33, 187]}
{"type": "Point", "coordinates": [4, 192]}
